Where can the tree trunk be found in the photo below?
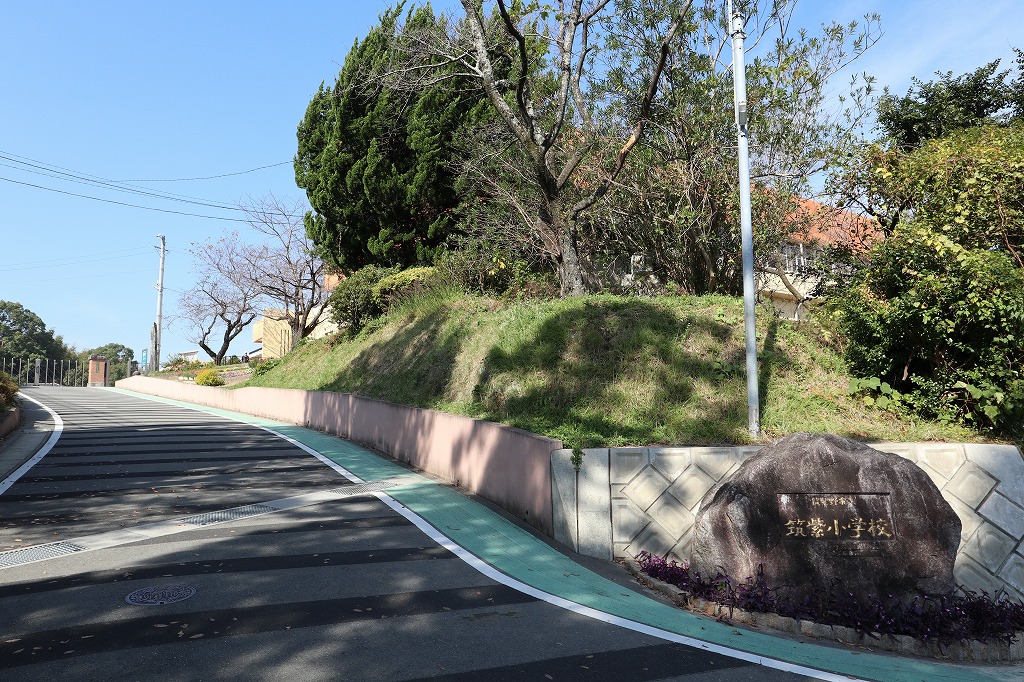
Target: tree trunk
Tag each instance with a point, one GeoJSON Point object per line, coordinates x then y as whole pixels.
{"type": "Point", "coordinates": [561, 234]}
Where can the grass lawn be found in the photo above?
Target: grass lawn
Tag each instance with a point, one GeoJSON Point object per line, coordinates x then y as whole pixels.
{"type": "Point", "coordinates": [601, 370]}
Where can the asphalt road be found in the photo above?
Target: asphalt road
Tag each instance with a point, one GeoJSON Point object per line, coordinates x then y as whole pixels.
{"type": "Point", "coordinates": [331, 586]}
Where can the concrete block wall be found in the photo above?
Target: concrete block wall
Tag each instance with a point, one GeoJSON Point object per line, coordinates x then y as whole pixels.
{"type": "Point", "coordinates": [508, 466]}
{"type": "Point", "coordinates": [627, 500]}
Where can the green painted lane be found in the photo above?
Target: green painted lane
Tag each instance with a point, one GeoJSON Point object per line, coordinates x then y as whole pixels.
{"type": "Point", "coordinates": [522, 556]}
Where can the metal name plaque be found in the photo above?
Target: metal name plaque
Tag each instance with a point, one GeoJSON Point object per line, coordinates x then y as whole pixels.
{"type": "Point", "coordinates": [856, 520]}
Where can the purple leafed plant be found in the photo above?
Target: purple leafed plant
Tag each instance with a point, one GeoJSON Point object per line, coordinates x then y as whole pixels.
{"type": "Point", "coordinates": [946, 619]}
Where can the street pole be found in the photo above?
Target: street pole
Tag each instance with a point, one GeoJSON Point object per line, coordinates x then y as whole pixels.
{"type": "Point", "coordinates": [159, 304]}
{"type": "Point", "coordinates": [737, 34]}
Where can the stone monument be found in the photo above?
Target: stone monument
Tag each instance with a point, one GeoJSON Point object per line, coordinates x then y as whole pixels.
{"type": "Point", "coordinates": [823, 512]}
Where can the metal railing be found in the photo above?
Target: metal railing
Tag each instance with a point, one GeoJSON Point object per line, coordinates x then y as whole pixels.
{"type": "Point", "coordinates": [42, 371]}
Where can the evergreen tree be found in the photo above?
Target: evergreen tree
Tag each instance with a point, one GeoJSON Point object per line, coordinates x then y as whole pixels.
{"type": "Point", "coordinates": [374, 160]}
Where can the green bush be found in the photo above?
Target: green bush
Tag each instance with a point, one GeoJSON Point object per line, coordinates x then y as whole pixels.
{"type": "Point", "coordinates": [8, 389]}
{"type": "Point", "coordinates": [478, 268]}
{"type": "Point", "coordinates": [261, 368]}
{"type": "Point", "coordinates": [401, 284]}
{"type": "Point", "coordinates": [209, 377]}
{"type": "Point", "coordinates": [942, 325]}
{"type": "Point", "coordinates": [353, 302]}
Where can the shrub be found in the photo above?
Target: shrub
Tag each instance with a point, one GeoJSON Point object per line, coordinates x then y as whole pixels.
{"type": "Point", "coordinates": [942, 325]}
{"type": "Point", "coordinates": [261, 368]}
{"type": "Point", "coordinates": [401, 284]}
{"type": "Point", "coordinates": [209, 377]}
{"type": "Point", "coordinates": [8, 389]}
{"type": "Point", "coordinates": [353, 302]}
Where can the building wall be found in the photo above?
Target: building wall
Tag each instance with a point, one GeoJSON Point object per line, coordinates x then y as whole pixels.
{"type": "Point", "coordinates": [627, 500]}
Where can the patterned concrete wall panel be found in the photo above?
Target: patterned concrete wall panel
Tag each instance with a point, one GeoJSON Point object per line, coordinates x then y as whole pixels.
{"type": "Point", "coordinates": [691, 486]}
{"type": "Point", "coordinates": [593, 492]}
{"type": "Point", "coordinates": [971, 485]}
{"type": "Point", "coordinates": [943, 458]}
{"type": "Point", "coordinates": [1003, 514]}
{"type": "Point", "coordinates": [654, 539]}
{"type": "Point", "coordinates": [626, 463]}
{"type": "Point", "coordinates": [681, 552]}
{"type": "Point", "coordinates": [671, 515]}
{"type": "Point", "coordinates": [1004, 462]}
{"type": "Point", "coordinates": [904, 450]}
{"type": "Point", "coordinates": [670, 461]}
{"type": "Point", "coordinates": [716, 462]}
{"type": "Point", "coordinates": [1013, 573]}
{"type": "Point", "coordinates": [646, 487]}
{"type": "Point", "coordinates": [970, 574]}
{"type": "Point", "coordinates": [969, 519]}
{"type": "Point", "coordinates": [989, 547]}
{"type": "Point", "coordinates": [627, 521]}
{"type": "Point", "coordinates": [563, 498]}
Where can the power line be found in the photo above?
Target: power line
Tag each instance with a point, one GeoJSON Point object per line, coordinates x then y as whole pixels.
{"type": "Point", "coordinates": [210, 177]}
{"type": "Point", "coordinates": [90, 276]}
{"type": "Point", "coordinates": [138, 249]}
{"type": "Point", "coordinates": [71, 263]}
{"type": "Point", "coordinates": [122, 203]}
{"type": "Point", "coordinates": [48, 170]}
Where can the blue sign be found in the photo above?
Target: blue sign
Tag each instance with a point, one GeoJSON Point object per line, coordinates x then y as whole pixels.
{"type": "Point", "coordinates": [145, 357]}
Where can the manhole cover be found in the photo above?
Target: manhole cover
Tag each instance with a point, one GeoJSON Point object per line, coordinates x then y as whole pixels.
{"type": "Point", "coordinates": [160, 595]}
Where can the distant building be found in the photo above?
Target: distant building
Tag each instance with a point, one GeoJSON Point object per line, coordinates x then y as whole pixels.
{"type": "Point", "coordinates": [799, 257]}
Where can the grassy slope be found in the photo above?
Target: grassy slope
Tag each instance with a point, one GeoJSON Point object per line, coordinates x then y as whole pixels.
{"type": "Point", "coordinates": [600, 370]}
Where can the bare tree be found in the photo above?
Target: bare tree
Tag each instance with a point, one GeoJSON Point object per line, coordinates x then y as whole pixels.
{"type": "Point", "coordinates": [543, 103]}
{"type": "Point", "coordinates": [283, 267]}
{"type": "Point", "coordinates": [223, 301]}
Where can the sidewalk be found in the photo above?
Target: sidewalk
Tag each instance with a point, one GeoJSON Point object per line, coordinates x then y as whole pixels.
{"type": "Point", "coordinates": [514, 556]}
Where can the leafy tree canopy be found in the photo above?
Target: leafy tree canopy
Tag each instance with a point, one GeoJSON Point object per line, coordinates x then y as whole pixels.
{"type": "Point", "coordinates": [23, 335]}
{"type": "Point", "coordinates": [936, 108]}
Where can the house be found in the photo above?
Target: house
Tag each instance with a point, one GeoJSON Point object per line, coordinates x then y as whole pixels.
{"type": "Point", "coordinates": [821, 226]}
{"type": "Point", "coordinates": [274, 330]}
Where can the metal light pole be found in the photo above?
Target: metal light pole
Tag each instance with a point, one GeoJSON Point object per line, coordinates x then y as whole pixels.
{"type": "Point", "coordinates": [739, 76]}
{"type": "Point", "coordinates": [159, 305]}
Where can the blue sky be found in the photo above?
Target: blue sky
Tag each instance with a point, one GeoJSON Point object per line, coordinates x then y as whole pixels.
{"type": "Point", "coordinates": [165, 91]}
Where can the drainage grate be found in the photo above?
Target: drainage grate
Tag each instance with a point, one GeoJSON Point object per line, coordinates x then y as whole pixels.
{"type": "Point", "coordinates": [363, 488]}
{"type": "Point", "coordinates": [17, 557]}
{"type": "Point", "coordinates": [229, 514]}
{"type": "Point", "coordinates": [160, 594]}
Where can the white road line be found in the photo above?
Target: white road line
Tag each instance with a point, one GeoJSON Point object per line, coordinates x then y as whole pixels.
{"type": "Point", "coordinates": [58, 429]}
{"type": "Point", "coordinates": [491, 572]}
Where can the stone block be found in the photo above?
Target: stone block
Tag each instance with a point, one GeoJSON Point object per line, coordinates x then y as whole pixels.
{"type": "Point", "coordinates": [969, 518]}
{"type": "Point", "coordinates": [627, 520]}
{"type": "Point", "coordinates": [973, 577]}
{"type": "Point", "coordinates": [944, 458]}
{"type": "Point", "coordinates": [691, 487]}
{"type": "Point", "coordinates": [654, 539]}
{"type": "Point", "coordinates": [670, 461]}
{"type": "Point", "coordinates": [716, 462]}
{"type": "Point", "coordinates": [989, 547]}
{"type": "Point", "coordinates": [672, 515]}
{"type": "Point", "coordinates": [1013, 572]}
{"type": "Point", "coordinates": [1004, 462]}
{"type": "Point", "coordinates": [971, 485]}
{"type": "Point", "coordinates": [904, 450]}
{"type": "Point", "coordinates": [646, 487]}
{"type": "Point", "coordinates": [626, 463]}
{"type": "Point", "coordinates": [1004, 515]}
{"type": "Point", "coordinates": [681, 551]}
{"type": "Point", "coordinates": [938, 479]}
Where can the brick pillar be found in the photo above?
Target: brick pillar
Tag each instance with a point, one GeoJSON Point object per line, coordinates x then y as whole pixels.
{"type": "Point", "coordinates": [97, 371]}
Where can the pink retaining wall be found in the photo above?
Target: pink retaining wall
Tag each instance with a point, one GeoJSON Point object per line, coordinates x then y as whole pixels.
{"type": "Point", "coordinates": [508, 466]}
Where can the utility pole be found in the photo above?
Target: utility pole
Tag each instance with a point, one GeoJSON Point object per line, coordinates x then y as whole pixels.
{"type": "Point", "coordinates": [739, 77]}
{"type": "Point", "coordinates": [159, 305]}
